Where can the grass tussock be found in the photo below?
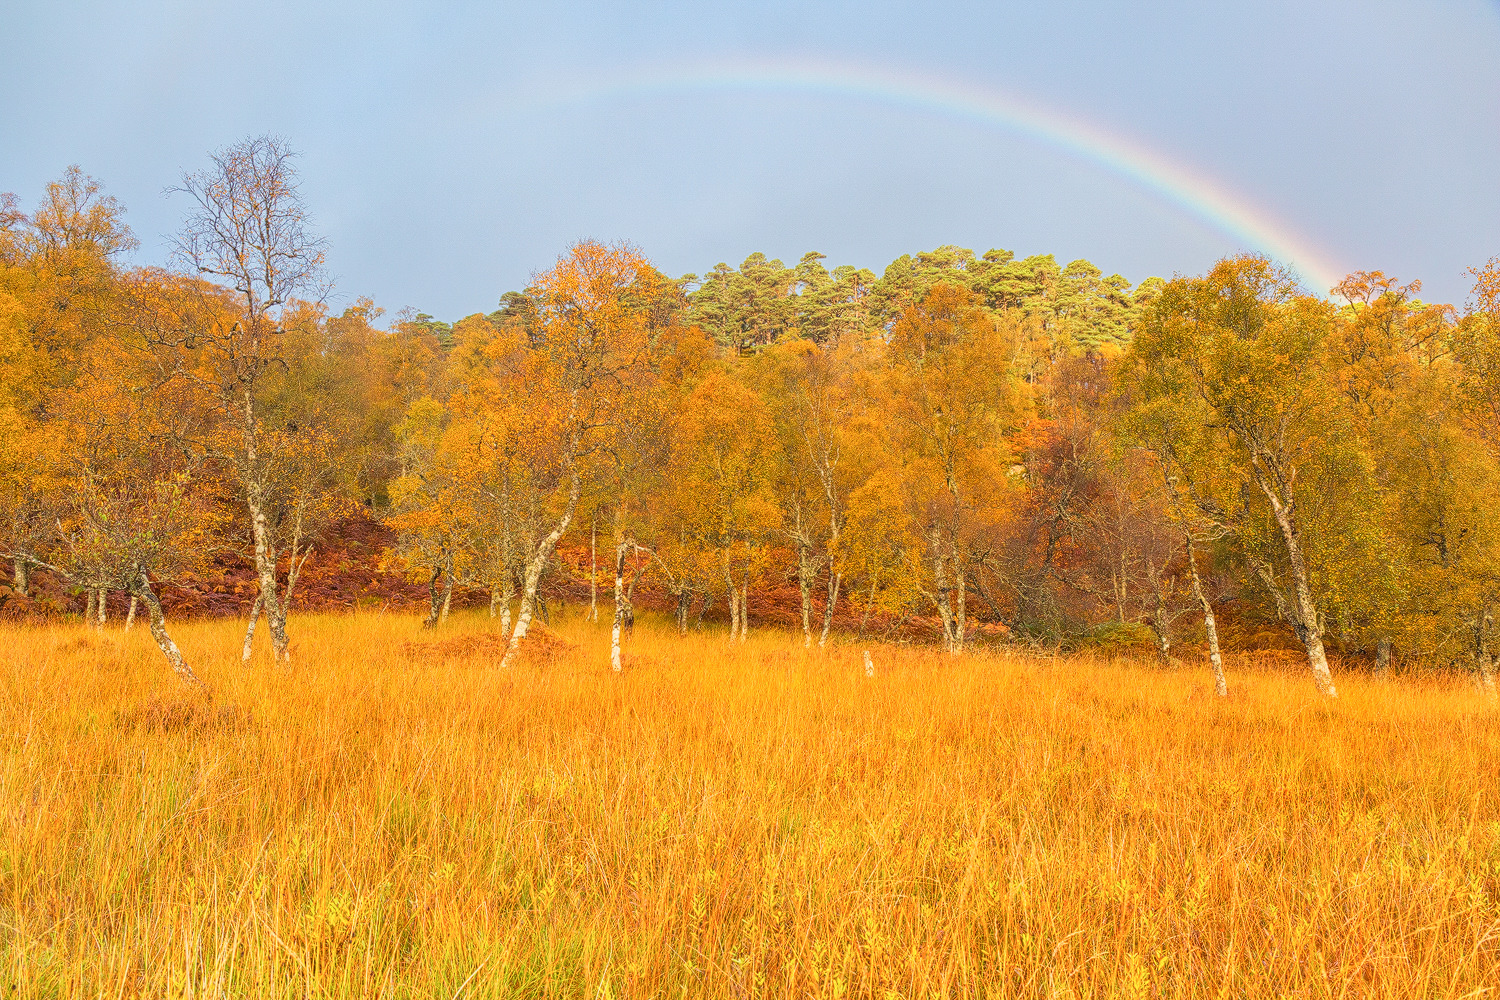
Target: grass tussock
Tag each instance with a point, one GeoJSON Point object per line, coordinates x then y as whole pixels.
{"type": "Point", "coordinates": [542, 647]}
{"type": "Point", "coordinates": [393, 816]}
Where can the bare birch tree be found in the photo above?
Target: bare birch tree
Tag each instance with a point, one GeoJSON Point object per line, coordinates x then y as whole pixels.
{"type": "Point", "coordinates": [248, 232]}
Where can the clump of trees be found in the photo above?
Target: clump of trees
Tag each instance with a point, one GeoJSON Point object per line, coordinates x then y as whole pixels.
{"type": "Point", "coordinates": [986, 444]}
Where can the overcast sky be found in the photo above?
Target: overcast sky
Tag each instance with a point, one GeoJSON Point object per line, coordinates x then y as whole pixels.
{"type": "Point", "coordinates": [451, 150]}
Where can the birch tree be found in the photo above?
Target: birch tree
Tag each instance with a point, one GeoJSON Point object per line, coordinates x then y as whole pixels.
{"type": "Point", "coordinates": [952, 402]}
{"type": "Point", "coordinates": [247, 234]}
{"type": "Point", "coordinates": [810, 401]}
{"type": "Point", "coordinates": [133, 514]}
{"type": "Point", "coordinates": [592, 323]}
{"type": "Point", "coordinates": [429, 500]}
{"type": "Point", "coordinates": [1233, 372]}
{"type": "Point", "coordinates": [59, 284]}
{"type": "Point", "coordinates": [723, 474]}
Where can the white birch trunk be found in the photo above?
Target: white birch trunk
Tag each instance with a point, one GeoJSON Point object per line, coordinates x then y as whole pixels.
{"type": "Point", "coordinates": [1487, 676]}
{"type": "Point", "coordinates": [21, 575]}
{"type": "Point", "coordinates": [745, 608]}
{"type": "Point", "coordinates": [265, 546]}
{"type": "Point", "coordinates": [538, 562]}
{"type": "Point", "coordinates": [1163, 639]}
{"type": "Point", "coordinates": [103, 607]}
{"type": "Point", "coordinates": [1221, 689]}
{"type": "Point", "coordinates": [734, 599]}
{"type": "Point", "coordinates": [534, 570]}
{"type": "Point", "coordinates": [594, 571]}
{"type": "Point", "coordinates": [1383, 659]}
{"type": "Point", "coordinates": [734, 612]}
{"type": "Point", "coordinates": [141, 587]}
{"type": "Point", "coordinates": [295, 563]}
{"type": "Point", "coordinates": [614, 639]}
{"type": "Point", "coordinates": [835, 578]}
{"type": "Point", "coordinates": [1484, 660]}
{"type": "Point", "coordinates": [835, 581]}
{"type": "Point", "coordinates": [963, 613]}
{"type": "Point", "coordinates": [940, 589]}
{"type": "Point", "coordinates": [447, 588]}
{"type": "Point", "coordinates": [88, 610]}
{"type": "Point", "coordinates": [130, 613]}
{"type": "Point", "coordinates": [1304, 610]}
{"type": "Point", "coordinates": [250, 629]}
{"type": "Point", "coordinates": [805, 573]}
{"type": "Point", "coordinates": [434, 598]}
{"type": "Point", "coordinates": [265, 568]}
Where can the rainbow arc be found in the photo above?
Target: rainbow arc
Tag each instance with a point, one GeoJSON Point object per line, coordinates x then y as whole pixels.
{"type": "Point", "coordinates": [1253, 226]}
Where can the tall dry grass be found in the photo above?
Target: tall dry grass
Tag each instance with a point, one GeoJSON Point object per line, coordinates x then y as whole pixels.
{"type": "Point", "coordinates": [390, 821]}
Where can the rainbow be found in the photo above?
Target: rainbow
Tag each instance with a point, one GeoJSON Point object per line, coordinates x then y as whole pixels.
{"type": "Point", "coordinates": [1176, 183]}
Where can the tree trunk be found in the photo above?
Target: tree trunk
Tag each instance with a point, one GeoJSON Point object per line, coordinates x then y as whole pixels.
{"type": "Point", "coordinates": [745, 608]}
{"type": "Point", "coordinates": [1383, 659]}
{"type": "Point", "coordinates": [1221, 689]}
{"type": "Point", "coordinates": [508, 591]}
{"type": "Point", "coordinates": [534, 570]}
{"type": "Point", "coordinates": [281, 649]}
{"type": "Point", "coordinates": [734, 602]}
{"type": "Point", "coordinates": [805, 574]}
{"type": "Point", "coordinates": [963, 604]}
{"type": "Point", "coordinates": [1312, 637]}
{"type": "Point", "coordinates": [21, 575]}
{"type": "Point", "coordinates": [494, 600]}
{"type": "Point", "coordinates": [130, 613]}
{"type": "Point", "coordinates": [1484, 661]}
{"type": "Point", "coordinates": [295, 562]}
{"type": "Point", "coordinates": [141, 588]}
{"type": "Point", "coordinates": [940, 590]}
{"type": "Point", "coordinates": [265, 570]}
{"type": "Point", "coordinates": [1163, 640]}
{"type": "Point", "coordinates": [1304, 611]}
{"type": "Point", "coordinates": [434, 598]}
{"type": "Point", "coordinates": [88, 610]}
{"type": "Point", "coordinates": [103, 608]}
{"type": "Point", "coordinates": [250, 629]}
{"type": "Point", "coordinates": [835, 581]}
{"type": "Point", "coordinates": [614, 639]}
{"type": "Point", "coordinates": [447, 588]}
{"type": "Point", "coordinates": [1487, 676]}
{"type": "Point", "coordinates": [594, 571]}
{"type": "Point", "coordinates": [835, 578]}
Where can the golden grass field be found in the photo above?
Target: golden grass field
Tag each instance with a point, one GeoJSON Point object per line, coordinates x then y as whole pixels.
{"type": "Point", "coordinates": [384, 820]}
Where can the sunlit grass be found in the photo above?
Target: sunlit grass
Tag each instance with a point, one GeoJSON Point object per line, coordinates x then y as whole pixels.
{"type": "Point", "coordinates": [726, 821]}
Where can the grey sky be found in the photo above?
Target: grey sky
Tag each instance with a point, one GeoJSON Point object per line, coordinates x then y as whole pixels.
{"type": "Point", "coordinates": [443, 175]}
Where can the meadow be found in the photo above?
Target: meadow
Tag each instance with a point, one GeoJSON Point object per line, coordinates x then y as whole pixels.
{"type": "Point", "coordinates": [394, 816]}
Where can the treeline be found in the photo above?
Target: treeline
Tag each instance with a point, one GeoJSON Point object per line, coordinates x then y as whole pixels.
{"type": "Point", "coordinates": [990, 443]}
